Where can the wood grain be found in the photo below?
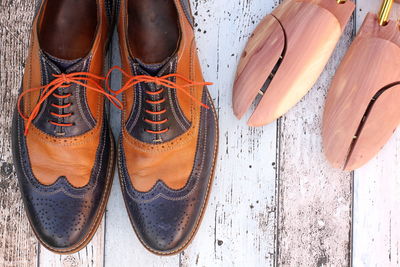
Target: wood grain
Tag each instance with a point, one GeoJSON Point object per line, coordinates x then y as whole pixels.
{"type": "Point", "coordinates": [314, 225]}
{"type": "Point", "coordinates": [312, 33]}
{"type": "Point", "coordinates": [311, 30]}
{"type": "Point", "coordinates": [371, 63]}
{"type": "Point", "coordinates": [263, 50]}
{"type": "Point", "coordinates": [381, 122]}
{"type": "Point", "coordinates": [18, 246]}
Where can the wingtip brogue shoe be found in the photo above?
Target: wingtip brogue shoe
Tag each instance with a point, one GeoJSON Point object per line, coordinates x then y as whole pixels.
{"type": "Point", "coordinates": [62, 146]}
{"type": "Point", "coordinates": [169, 138]}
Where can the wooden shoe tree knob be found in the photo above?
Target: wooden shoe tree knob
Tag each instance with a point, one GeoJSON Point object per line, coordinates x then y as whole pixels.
{"type": "Point", "coordinates": [286, 54]}
{"type": "Point", "coordinates": [362, 107]}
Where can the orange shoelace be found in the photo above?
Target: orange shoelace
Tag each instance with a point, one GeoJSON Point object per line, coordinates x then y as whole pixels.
{"type": "Point", "coordinates": [163, 81]}
{"type": "Point", "coordinates": [64, 81]}
{"type": "Point", "coordinates": [79, 78]}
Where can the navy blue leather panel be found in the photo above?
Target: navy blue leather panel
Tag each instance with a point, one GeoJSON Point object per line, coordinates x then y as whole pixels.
{"type": "Point", "coordinates": [136, 125]}
{"type": "Point", "coordinates": [38, 3]}
{"type": "Point", "coordinates": [82, 119]}
{"type": "Point", "coordinates": [186, 8]}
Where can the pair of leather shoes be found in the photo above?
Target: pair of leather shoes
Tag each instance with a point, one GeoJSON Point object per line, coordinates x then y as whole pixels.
{"type": "Point", "coordinates": [62, 143]}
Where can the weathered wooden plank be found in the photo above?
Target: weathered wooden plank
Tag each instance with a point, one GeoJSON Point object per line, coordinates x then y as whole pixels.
{"type": "Point", "coordinates": [314, 225]}
{"type": "Point", "coordinates": [18, 246]}
{"type": "Point", "coordinates": [376, 200]}
{"type": "Point", "coordinates": [376, 231]}
{"type": "Point", "coordinates": [239, 226]}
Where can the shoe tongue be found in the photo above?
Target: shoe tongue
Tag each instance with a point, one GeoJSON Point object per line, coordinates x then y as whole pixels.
{"type": "Point", "coordinates": [62, 64]}
{"type": "Point", "coordinates": [153, 69]}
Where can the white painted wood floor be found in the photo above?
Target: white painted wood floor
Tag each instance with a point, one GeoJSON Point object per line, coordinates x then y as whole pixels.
{"type": "Point", "coordinates": [275, 199]}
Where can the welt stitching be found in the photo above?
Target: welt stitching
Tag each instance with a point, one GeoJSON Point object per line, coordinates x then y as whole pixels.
{"type": "Point", "coordinates": [188, 137]}
{"type": "Point", "coordinates": [58, 143]}
{"type": "Point", "coordinates": [99, 213]}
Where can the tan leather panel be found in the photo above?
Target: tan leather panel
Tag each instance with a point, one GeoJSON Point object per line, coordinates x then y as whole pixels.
{"type": "Point", "coordinates": [54, 157]}
{"type": "Point", "coordinates": [172, 166]}
{"type": "Point", "coordinates": [73, 158]}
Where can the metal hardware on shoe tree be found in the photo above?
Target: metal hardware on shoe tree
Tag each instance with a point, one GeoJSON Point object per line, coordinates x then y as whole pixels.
{"type": "Point", "coordinates": [384, 13]}
{"type": "Point", "coordinates": [341, 1]}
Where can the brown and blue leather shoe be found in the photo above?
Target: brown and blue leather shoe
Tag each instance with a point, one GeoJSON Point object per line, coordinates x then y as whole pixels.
{"type": "Point", "coordinates": [168, 144]}
{"type": "Point", "coordinates": [62, 145]}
